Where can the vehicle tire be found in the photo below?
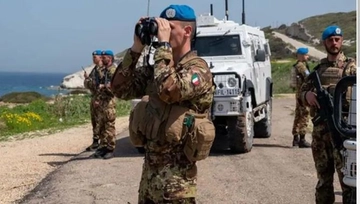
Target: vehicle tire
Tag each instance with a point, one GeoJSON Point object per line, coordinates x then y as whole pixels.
{"type": "Point", "coordinates": [141, 150]}
{"type": "Point", "coordinates": [241, 133]}
{"type": "Point", "coordinates": [262, 128]}
{"type": "Point", "coordinates": [221, 141]}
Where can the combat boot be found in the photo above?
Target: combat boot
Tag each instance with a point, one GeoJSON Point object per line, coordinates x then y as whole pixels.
{"type": "Point", "coordinates": [295, 141]}
{"type": "Point", "coordinates": [100, 152]}
{"type": "Point", "coordinates": [108, 154]}
{"type": "Point", "coordinates": [303, 143]}
{"type": "Point", "coordinates": [93, 146]}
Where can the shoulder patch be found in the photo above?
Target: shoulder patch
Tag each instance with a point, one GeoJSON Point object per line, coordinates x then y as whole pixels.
{"type": "Point", "coordinates": [307, 73]}
{"type": "Point", "coordinates": [195, 79]}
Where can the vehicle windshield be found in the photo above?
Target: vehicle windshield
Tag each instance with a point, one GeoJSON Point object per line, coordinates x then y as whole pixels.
{"type": "Point", "coordinates": [222, 45]}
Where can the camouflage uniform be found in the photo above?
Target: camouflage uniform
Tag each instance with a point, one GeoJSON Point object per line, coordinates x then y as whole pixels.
{"type": "Point", "coordinates": [168, 176]}
{"type": "Point", "coordinates": [107, 112]}
{"type": "Point", "coordinates": [326, 157]}
{"type": "Point", "coordinates": [92, 84]}
{"type": "Point", "coordinates": [301, 112]}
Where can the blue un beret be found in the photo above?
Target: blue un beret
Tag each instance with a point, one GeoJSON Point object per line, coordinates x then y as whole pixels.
{"type": "Point", "coordinates": [331, 31]}
{"type": "Point", "coordinates": [179, 13]}
{"type": "Point", "coordinates": [107, 52]}
{"type": "Point", "coordinates": [302, 51]}
{"type": "Point", "coordinates": [97, 52]}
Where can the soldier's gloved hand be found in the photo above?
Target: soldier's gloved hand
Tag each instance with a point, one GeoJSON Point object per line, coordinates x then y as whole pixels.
{"type": "Point", "coordinates": [101, 86]}
{"type": "Point", "coordinates": [96, 103]}
{"type": "Point", "coordinates": [164, 30]}
{"type": "Point", "coordinates": [86, 75]}
{"type": "Point", "coordinates": [137, 45]}
{"type": "Point", "coordinates": [311, 99]}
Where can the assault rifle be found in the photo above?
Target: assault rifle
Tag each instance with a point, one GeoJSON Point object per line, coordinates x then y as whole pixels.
{"type": "Point", "coordinates": [326, 111]}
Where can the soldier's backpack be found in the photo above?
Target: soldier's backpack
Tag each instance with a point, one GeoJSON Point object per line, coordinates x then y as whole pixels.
{"type": "Point", "coordinates": [293, 77]}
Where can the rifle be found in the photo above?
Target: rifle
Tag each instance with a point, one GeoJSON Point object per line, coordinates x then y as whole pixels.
{"type": "Point", "coordinates": [326, 111]}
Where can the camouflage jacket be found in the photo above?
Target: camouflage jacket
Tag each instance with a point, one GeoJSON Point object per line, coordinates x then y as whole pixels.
{"type": "Point", "coordinates": [91, 82]}
{"type": "Point", "coordinates": [302, 71]}
{"type": "Point", "coordinates": [190, 86]}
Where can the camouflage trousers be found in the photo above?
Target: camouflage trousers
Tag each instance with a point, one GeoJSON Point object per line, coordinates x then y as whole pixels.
{"type": "Point", "coordinates": [327, 159]}
{"type": "Point", "coordinates": [167, 184]}
{"type": "Point", "coordinates": [94, 114]}
{"type": "Point", "coordinates": [301, 119]}
{"type": "Point", "coordinates": [105, 124]}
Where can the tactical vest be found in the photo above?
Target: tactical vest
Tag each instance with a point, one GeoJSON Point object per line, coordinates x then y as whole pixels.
{"type": "Point", "coordinates": [161, 124]}
{"type": "Point", "coordinates": [329, 77]}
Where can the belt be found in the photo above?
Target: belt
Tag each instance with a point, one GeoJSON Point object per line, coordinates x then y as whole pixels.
{"type": "Point", "coordinates": [161, 159]}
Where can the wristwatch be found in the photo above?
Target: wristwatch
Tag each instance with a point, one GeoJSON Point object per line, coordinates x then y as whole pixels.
{"type": "Point", "coordinates": [165, 44]}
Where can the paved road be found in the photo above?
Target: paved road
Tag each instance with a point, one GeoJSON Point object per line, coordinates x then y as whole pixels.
{"type": "Point", "coordinates": [312, 51]}
{"type": "Point", "coordinates": [272, 173]}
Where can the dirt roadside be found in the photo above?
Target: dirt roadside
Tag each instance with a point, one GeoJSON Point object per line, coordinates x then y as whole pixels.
{"type": "Point", "coordinates": [26, 162]}
{"type": "Point", "coordinates": [312, 50]}
{"type": "Point", "coordinates": [272, 172]}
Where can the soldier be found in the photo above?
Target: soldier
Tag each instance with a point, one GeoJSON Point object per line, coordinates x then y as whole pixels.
{"type": "Point", "coordinates": [180, 90]}
{"type": "Point", "coordinates": [91, 83]}
{"type": "Point", "coordinates": [301, 112]}
{"type": "Point", "coordinates": [331, 69]}
{"type": "Point", "coordinates": [106, 103]}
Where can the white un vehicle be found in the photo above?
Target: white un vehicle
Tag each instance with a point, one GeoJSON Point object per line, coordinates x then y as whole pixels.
{"type": "Point", "coordinates": [346, 127]}
{"type": "Point", "coordinates": [239, 59]}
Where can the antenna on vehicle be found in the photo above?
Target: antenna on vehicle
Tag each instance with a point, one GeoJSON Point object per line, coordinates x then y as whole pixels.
{"type": "Point", "coordinates": [148, 8]}
{"type": "Point", "coordinates": [211, 10]}
{"type": "Point", "coordinates": [226, 10]}
{"type": "Point", "coordinates": [243, 12]}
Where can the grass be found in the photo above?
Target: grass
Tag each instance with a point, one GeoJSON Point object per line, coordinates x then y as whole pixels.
{"type": "Point", "coordinates": [281, 76]}
{"type": "Point", "coordinates": [315, 26]}
{"type": "Point", "coordinates": [345, 20]}
{"type": "Point", "coordinates": [38, 115]}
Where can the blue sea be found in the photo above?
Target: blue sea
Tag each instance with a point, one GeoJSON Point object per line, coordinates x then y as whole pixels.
{"type": "Point", "coordinates": [44, 83]}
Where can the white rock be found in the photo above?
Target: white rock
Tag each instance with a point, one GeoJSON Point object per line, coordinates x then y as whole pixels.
{"type": "Point", "coordinates": [76, 80]}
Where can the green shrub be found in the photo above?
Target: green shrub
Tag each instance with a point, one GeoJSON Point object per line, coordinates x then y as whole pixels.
{"type": "Point", "coordinates": [22, 97]}
{"type": "Point", "coordinates": [78, 91]}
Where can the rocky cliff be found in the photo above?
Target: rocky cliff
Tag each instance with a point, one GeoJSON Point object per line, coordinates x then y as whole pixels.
{"type": "Point", "coordinates": [298, 31]}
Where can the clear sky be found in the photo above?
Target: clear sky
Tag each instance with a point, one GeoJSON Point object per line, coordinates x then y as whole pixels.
{"type": "Point", "coordinates": [60, 35]}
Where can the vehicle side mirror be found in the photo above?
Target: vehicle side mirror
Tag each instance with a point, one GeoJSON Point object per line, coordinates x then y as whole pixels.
{"type": "Point", "coordinates": [260, 55]}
